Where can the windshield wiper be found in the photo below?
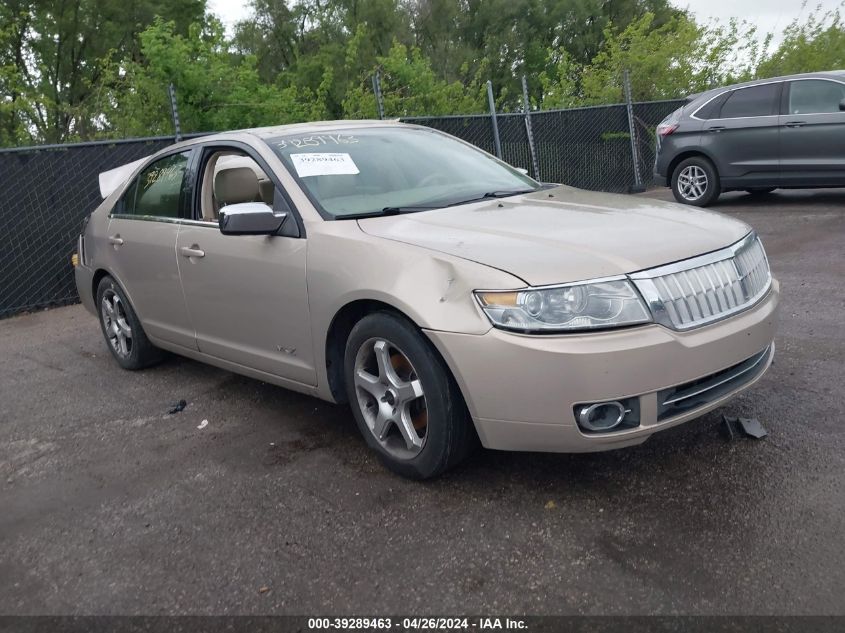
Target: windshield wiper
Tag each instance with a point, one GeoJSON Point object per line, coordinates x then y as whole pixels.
{"type": "Point", "coordinates": [503, 193]}
{"type": "Point", "coordinates": [388, 211]}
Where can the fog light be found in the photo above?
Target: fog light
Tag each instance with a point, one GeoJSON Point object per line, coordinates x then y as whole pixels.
{"type": "Point", "coordinates": [602, 416]}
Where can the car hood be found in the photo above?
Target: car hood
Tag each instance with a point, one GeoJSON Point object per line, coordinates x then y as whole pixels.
{"type": "Point", "coordinates": [563, 234]}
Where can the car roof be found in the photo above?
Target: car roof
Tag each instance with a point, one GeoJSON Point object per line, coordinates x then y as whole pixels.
{"type": "Point", "coordinates": [312, 127]}
{"type": "Point", "coordinates": [707, 94]}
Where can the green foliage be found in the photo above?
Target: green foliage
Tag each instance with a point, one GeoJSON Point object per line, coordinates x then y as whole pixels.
{"type": "Point", "coordinates": [810, 46]}
{"type": "Point", "coordinates": [678, 58]}
{"type": "Point", "coordinates": [50, 57]}
{"type": "Point", "coordinates": [82, 69]}
{"type": "Point", "coordinates": [410, 86]}
{"type": "Point", "coordinates": [216, 89]}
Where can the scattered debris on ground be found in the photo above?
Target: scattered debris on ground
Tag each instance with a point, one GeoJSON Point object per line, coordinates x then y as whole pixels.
{"type": "Point", "coordinates": [749, 427]}
{"type": "Point", "coordinates": [176, 407]}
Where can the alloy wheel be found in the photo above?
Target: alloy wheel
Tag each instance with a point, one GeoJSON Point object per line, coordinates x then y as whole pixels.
{"type": "Point", "coordinates": [117, 328]}
{"type": "Point", "coordinates": [692, 183]}
{"type": "Point", "coordinates": [391, 399]}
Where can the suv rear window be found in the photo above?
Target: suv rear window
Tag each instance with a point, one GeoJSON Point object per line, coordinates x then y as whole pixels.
{"type": "Point", "coordinates": [752, 101]}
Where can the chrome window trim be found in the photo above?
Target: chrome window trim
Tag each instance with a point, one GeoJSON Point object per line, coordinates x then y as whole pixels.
{"type": "Point", "coordinates": [644, 282]}
{"type": "Point", "coordinates": [765, 83]}
{"type": "Point", "coordinates": [163, 219]}
{"type": "Point", "coordinates": [737, 118]}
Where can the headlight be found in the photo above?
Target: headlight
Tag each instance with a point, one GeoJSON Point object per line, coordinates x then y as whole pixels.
{"type": "Point", "coordinates": [581, 306]}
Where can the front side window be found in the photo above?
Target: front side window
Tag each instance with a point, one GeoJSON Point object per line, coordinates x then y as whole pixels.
{"type": "Point", "coordinates": [156, 190]}
{"type": "Point", "coordinates": [753, 101]}
{"type": "Point", "coordinates": [815, 96]}
{"type": "Point", "coordinates": [376, 171]}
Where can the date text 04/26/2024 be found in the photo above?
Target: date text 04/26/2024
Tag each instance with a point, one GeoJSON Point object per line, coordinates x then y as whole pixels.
{"type": "Point", "coordinates": [417, 624]}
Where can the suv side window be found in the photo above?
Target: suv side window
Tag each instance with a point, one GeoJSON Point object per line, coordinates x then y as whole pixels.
{"type": "Point", "coordinates": [752, 101]}
{"type": "Point", "coordinates": [157, 189]}
{"type": "Point", "coordinates": [711, 110]}
{"type": "Point", "coordinates": [815, 96]}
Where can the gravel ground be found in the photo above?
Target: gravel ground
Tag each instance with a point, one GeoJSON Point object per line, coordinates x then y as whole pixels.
{"type": "Point", "coordinates": [110, 506]}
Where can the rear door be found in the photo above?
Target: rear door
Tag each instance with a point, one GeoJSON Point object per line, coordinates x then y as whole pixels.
{"type": "Point", "coordinates": [142, 256]}
{"type": "Point", "coordinates": [743, 137]}
{"type": "Point", "coordinates": [813, 133]}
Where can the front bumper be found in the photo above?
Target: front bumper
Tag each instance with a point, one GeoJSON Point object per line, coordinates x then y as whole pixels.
{"type": "Point", "coordinates": [521, 390]}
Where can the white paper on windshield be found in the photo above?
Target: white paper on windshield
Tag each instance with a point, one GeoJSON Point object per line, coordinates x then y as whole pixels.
{"type": "Point", "coordinates": [318, 164]}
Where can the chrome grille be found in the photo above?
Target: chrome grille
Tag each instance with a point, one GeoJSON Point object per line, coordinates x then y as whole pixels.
{"type": "Point", "coordinates": [703, 289]}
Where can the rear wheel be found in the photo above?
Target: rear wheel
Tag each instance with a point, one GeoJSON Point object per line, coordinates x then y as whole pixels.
{"type": "Point", "coordinates": [122, 330]}
{"type": "Point", "coordinates": [695, 181]}
{"type": "Point", "coordinates": [405, 401]}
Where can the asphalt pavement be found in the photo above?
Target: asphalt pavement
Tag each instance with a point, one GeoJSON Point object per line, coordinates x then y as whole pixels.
{"type": "Point", "coordinates": [108, 505]}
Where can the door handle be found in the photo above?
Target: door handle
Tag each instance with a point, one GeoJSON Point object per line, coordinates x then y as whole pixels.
{"type": "Point", "coordinates": [716, 128]}
{"type": "Point", "coordinates": [795, 123]}
{"type": "Point", "coordinates": [116, 239]}
{"type": "Point", "coordinates": [192, 251]}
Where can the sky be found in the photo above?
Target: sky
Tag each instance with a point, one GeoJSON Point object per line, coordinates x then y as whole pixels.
{"type": "Point", "coordinates": [768, 15]}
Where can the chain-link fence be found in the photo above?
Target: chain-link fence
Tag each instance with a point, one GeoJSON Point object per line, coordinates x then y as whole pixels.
{"type": "Point", "coordinates": [45, 192]}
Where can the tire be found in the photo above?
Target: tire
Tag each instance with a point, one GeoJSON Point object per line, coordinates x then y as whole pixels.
{"type": "Point", "coordinates": [696, 169]}
{"type": "Point", "coordinates": [122, 330]}
{"type": "Point", "coordinates": [760, 191]}
{"type": "Point", "coordinates": [437, 417]}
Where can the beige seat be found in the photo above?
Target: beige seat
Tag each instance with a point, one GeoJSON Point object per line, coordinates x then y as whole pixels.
{"type": "Point", "coordinates": [235, 185]}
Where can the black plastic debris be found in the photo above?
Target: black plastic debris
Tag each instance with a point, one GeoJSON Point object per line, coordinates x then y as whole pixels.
{"type": "Point", "coordinates": [749, 427]}
{"type": "Point", "coordinates": [177, 407]}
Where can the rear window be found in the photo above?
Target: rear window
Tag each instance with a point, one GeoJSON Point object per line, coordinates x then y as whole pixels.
{"type": "Point", "coordinates": [753, 101]}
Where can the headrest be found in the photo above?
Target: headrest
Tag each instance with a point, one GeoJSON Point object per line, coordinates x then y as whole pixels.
{"type": "Point", "coordinates": [235, 185]}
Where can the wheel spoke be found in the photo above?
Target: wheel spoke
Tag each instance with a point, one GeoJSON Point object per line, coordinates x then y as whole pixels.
{"type": "Point", "coordinates": [124, 328]}
{"type": "Point", "coordinates": [386, 372]}
{"type": "Point", "coordinates": [381, 426]}
{"type": "Point", "coordinates": [409, 433]}
{"type": "Point", "coordinates": [369, 383]}
{"type": "Point", "coordinates": [409, 391]}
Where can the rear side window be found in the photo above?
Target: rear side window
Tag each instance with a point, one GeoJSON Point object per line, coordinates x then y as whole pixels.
{"type": "Point", "coordinates": [753, 101]}
{"type": "Point", "coordinates": [815, 96]}
{"type": "Point", "coordinates": [711, 110]}
{"type": "Point", "coordinates": [157, 189]}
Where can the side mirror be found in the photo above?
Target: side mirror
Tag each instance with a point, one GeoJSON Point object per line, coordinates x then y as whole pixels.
{"type": "Point", "coordinates": [250, 218]}
{"type": "Point", "coordinates": [842, 106]}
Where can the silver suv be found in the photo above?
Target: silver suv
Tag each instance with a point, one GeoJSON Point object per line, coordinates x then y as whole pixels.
{"type": "Point", "coordinates": [786, 132]}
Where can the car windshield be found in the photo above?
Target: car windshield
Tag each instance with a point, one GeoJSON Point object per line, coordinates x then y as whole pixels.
{"type": "Point", "coordinates": [385, 170]}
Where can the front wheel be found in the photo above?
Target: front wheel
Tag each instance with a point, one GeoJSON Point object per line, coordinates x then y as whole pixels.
{"type": "Point", "coordinates": [695, 181]}
{"type": "Point", "coordinates": [405, 401]}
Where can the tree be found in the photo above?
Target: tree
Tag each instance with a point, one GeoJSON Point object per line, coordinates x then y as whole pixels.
{"type": "Point", "coordinates": [814, 45]}
{"type": "Point", "coordinates": [678, 58]}
{"type": "Point", "coordinates": [410, 87]}
{"type": "Point", "coordinates": [53, 51]}
{"type": "Point", "coordinates": [217, 89]}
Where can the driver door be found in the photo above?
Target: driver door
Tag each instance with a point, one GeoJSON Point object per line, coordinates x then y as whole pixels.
{"type": "Point", "coordinates": [246, 295]}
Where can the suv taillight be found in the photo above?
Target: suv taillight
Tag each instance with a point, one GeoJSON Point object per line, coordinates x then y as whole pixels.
{"type": "Point", "coordinates": [665, 129]}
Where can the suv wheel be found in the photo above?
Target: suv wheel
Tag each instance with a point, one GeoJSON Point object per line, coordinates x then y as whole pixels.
{"type": "Point", "coordinates": [695, 182]}
{"type": "Point", "coordinates": [406, 403]}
